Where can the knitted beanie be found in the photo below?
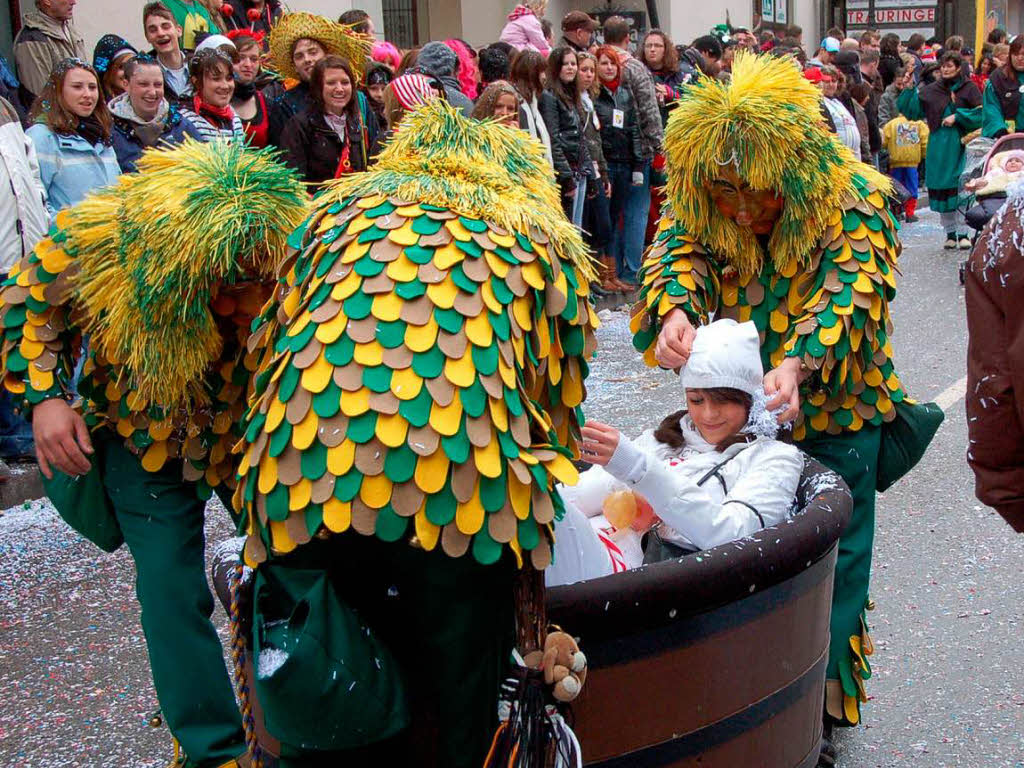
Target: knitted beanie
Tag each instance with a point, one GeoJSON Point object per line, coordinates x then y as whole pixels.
{"type": "Point", "coordinates": [437, 59]}
{"type": "Point", "coordinates": [725, 354]}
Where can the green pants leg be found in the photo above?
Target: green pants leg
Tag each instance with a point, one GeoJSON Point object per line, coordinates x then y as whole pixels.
{"type": "Point", "coordinates": [162, 520]}
{"type": "Point", "coordinates": [449, 623]}
{"type": "Point", "coordinates": [854, 456]}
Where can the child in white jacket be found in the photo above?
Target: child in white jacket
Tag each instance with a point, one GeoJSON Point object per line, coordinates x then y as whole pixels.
{"type": "Point", "coordinates": [711, 473]}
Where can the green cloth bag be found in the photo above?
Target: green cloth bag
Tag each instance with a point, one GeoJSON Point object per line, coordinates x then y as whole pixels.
{"type": "Point", "coordinates": [323, 679]}
{"type": "Point", "coordinates": [84, 504]}
{"type": "Point", "coordinates": [905, 439]}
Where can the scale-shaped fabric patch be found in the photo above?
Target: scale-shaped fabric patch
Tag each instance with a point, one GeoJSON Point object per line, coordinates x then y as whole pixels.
{"type": "Point", "coordinates": [421, 377]}
{"type": "Point", "coordinates": [832, 309]}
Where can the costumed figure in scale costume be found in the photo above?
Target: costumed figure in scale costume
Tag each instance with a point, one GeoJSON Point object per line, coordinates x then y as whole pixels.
{"type": "Point", "coordinates": [422, 368]}
{"type": "Point", "coordinates": [770, 219]}
{"type": "Point", "coordinates": [164, 271]}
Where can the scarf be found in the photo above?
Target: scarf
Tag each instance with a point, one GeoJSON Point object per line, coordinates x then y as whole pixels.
{"type": "Point", "coordinates": [147, 131]}
{"type": "Point", "coordinates": [519, 11]}
{"type": "Point", "coordinates": [222, 116]}
{"type": "Point", "coordinates": [612, 85]}
{"type": "Point", "coordinates": [89, 128]}
{"type": "Point", "coordinates": [244, 91]}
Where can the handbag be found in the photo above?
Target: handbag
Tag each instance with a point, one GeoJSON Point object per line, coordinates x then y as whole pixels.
{"type": "Point", "coordinates": [905, 439]}
{"type": "Point", "coordinates": [84, 504]}
{"type": "Point", "coordinates": [324, 681]}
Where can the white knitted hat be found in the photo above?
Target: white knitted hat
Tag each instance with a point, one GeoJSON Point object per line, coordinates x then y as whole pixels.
{"type": "Point", "coordinates": [725, 354]}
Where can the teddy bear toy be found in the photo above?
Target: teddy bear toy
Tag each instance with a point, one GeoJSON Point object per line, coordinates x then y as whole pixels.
{"type": "Point", "coordinates": [563, 664]}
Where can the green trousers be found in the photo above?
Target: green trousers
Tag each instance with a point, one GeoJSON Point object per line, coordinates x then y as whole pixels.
{"type": "Point", "coordinates": [161, 517]}
{"type": "Point", "coordinates": [854, 456]}
{"type": "Point", "coordinates": [450, 625]}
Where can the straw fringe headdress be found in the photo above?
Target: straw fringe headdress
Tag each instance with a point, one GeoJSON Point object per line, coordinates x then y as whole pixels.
{"type": "Point", "coordinates": [337, 39]}
{"type": "Point", "coordinates": [767, 124]}
{"type": "Point", "coordinates": [151, 250]}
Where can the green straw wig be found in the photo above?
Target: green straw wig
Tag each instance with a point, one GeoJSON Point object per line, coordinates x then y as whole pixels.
{"type": "Point", "coordinates": [767, 124]}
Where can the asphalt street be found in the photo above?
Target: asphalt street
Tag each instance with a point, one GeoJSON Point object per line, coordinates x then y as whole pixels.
{"type": "Point", "coordinates": [74, 682]}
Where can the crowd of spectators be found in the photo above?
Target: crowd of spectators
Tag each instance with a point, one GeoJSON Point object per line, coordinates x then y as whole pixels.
{"type": "Point", "coordinates": [597, 99]}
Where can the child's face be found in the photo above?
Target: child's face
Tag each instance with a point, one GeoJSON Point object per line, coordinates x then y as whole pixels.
{"type": "Point", "coordinates": [376, 92]}
{"type": "Point", "coordinates": [507, 110]}
{"type": "Point", "coordinates": [715, 421]}
{"type": "Point", "coordinates": [1013, 165]}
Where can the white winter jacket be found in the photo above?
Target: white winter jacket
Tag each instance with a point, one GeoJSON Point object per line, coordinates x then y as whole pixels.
{"type": "Point", "coordinates": [23, 216]}
{"type": "Point", "coordinates": [704, 498]}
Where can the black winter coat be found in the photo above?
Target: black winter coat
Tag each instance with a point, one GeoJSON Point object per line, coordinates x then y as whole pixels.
{"type": "Point", "coordinates": [620, 145]}
{"type": "Point", "coordinates": [284, 107]}
{"type": "Point", "coordinates": [313, 148]}
{"type": "Point", "coordinates": [568, 149]}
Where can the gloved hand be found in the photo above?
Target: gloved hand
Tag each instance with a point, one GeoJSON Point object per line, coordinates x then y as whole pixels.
{"type": "Point", "coordinates": [638, 178]}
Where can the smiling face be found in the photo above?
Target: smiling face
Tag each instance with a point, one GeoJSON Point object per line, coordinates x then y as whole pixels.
{"type": "Point", "coordinates": [716, 419]}
{"type": "Point", "coordinates": [218, 85]}
{"type": "Point", "coordinates": [248, 65]}
{"type": "Point", "coordinates": [829, 86]}
{"type": "Point", "coordinates": [162, 34]}
{"type": "Point", "coordinates": [949, 70]}
{"type": "Point", "coordinates": [587, 71]}
{"type": "Point", "coordinates": [146, 90]}
{"type": "Point", "coordinates": [1017, 60]}
{"type": "Point", "coordinates": [80, 92]}
{"type": "Point", "coordinates": [757, 210]}
{"type": "Point", "coordinates": [305, 54]}
{"type": "Point", "coordinates": [567, 73]}
{"type": "Point", "coordinates": [337, 90]}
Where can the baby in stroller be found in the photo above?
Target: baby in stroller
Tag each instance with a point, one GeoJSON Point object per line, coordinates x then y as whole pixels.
{"type": "Point", "coordinates": [1002, 169]}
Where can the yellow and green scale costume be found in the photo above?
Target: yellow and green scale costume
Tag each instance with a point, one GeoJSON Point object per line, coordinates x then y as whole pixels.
{"type": "Point", "coordinates": [423, 360]}
{"type": "Point", "coordinates": [818, 288]}
{"type": "Point", "coordinates": [163, 273]}
{"type": "Point", "coordinates": [418, 396]}
{"type": "Point", "coordinates": [151, 269]}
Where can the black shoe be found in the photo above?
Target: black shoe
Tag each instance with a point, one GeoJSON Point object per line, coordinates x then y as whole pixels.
{"type": "Point", "coordinates": [911, 219]}
{"type": "Point", "coordinates": [827, 756]}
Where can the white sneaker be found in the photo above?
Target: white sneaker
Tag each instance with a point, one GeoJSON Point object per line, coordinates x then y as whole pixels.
{"type": "Point", "coordinates": [965, 243]}
{"type": "Point", "coordinates": [950, 244]}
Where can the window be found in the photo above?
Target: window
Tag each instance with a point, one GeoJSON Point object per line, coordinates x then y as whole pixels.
{"type": "Point", "coordinates": [400, 22]}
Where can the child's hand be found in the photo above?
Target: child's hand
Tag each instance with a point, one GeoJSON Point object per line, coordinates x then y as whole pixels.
{"type": "Point", "coordinates": [949, 120]}
{"type": "Point", "coordinates": [599, 442]}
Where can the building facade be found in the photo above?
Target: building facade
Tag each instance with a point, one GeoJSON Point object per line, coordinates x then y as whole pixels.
{"type": "Point", "coordinates": [414, 22]}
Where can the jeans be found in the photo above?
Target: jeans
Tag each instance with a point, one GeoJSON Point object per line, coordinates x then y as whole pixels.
{"type": "Point", "coordinates": [578, 201]}
{"type": "Point", "coordinates": [632, 204]}
{"type": "Point", "coordinates": [15, 432]}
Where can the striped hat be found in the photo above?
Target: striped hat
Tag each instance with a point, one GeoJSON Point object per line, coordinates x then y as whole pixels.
{"type": "Point", "coordinates": [412, 90]}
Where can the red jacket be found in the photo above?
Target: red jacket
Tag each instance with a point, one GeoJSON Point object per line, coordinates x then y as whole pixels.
{"type": "Point", "coordinates": [994, 291]}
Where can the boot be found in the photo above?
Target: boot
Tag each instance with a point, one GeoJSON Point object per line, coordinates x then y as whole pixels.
{"type": "Point", "coordinates": [607, 274]}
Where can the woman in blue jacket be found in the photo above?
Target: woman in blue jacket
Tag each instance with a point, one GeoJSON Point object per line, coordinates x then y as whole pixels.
{"type": "Point", "coordinates": [71, 133]}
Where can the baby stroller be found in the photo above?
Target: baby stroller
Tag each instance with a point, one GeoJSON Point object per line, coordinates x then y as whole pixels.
{"type": "Point", "coordinates": [979, 160]}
